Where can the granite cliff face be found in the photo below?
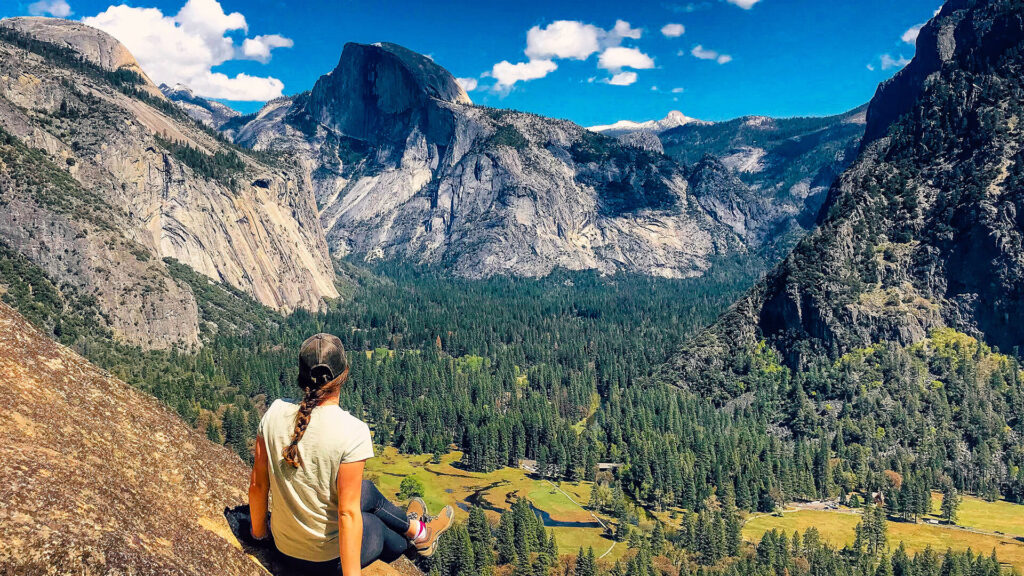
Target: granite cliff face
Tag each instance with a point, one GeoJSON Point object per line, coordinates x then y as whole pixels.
{"type": "Point", "coordinates": [732, 202]}
{"type": "Point", "coordinates": [405, 167]}
{"type": "Point", "coordinates": [104, 178]}
{"type": "Point", "coordinates": [924, 230]}
{"type": "Point", "coordinates": [382, 93]}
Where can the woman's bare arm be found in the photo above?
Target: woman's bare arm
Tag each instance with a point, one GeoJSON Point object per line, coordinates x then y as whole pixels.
{"type": "Point", "coordinates": [259, 490]}
{"type": "Point", "coordinates": [350, 516]}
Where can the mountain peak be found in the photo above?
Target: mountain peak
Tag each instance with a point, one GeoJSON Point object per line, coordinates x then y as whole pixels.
{"type": "Point", "coordinates": [379, 92]}
{"type": "Point", "coordinates": [178, 89]}
{"type": "Point", "coordinates": [433, 78]}
{"type": "Point", "coordinates": [911, 237]}
{"type": "Point", "coordinates": [209, 112]}
{"type": "Point", "coordinates": [92, 44]}
{"type": "Point", "coordinates": [678, 117]}
{"type": "Point", "coordinates": [953, 37]}
{"type": "Point", "coordinates": [673, 119]}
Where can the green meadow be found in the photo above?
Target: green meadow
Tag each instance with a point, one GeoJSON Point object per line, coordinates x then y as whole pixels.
{"type": "Point", "coordinates": [445, 484]}
{"type": "Point", "coordinates": [981, 526]}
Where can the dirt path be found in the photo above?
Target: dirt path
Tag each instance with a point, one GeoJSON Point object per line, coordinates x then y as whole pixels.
{"type": "Point", "coordinates": [571, 499]}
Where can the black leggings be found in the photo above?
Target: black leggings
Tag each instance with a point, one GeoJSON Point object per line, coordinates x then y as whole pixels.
{"type": "Point", "coordinates": [384, 528]}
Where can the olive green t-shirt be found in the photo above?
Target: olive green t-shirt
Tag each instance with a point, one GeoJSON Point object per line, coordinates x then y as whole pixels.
{"type": "Point", "coordinates": [304, 501]}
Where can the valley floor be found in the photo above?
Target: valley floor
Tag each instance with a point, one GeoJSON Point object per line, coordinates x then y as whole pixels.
{"type": "Point", "coordinates": [444, 484]}
{"type": "Point", "coordinates": [981, 526]}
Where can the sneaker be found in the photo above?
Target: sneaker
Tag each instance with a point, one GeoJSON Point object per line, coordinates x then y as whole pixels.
{"type": "Point", "coordinates": [417, 509]}
{"type": "Point", "coordinates": [435, 527]}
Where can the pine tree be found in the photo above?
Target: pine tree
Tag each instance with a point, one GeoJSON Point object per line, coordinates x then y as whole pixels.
{"type": "Point", "coordinates": [870, 533]}
{"type": "Point", "coordinates": [884, 567]}
{"type": "Point", "coordinates": [658, 538]}
{"type": "Point", "coordinates": [823, 470]}
{"type": "Point", "coordinates": [585, 563]}
{"type": "Point", "coordinates": [551, 548]}
{"type": "Point", "coordinates": [213, 432]}
{"type": "Point", "coordinates": [506, 539]}
{"type": "Point", "coordinates": [950, 503]}
{"type": "Point", "coordinates": [480, 535]}
{"type": "Point", "coordinates": [901, 565]}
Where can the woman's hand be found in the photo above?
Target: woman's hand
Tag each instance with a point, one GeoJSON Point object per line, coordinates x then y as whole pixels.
{"type": "Point", "coordinates": [259, 491]}
{"type": "Point", "coordinates": [350, 516]}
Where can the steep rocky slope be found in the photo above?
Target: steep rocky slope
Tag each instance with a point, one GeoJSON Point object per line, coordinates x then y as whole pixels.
{"type": "Point", "coordinates": [103, 178]}
{"type": "Point", "coordinates": [786, 165]}
{"type": "Point", "coordinates": [924, 230]}
{"type": "Point", "coordinates": [765, 178]}
{"type": "Point", "coordinates": [734, 203]}
{"type": "Point", "coordinates": [405, 167]}
{"type": "Point", "coordinates": [99, 478]}
{"type": "Point", "coordinates": [207, 112]}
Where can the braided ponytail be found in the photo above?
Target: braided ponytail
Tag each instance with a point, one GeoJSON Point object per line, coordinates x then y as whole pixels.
{"type": "Point", "coordinates": [319, 389]}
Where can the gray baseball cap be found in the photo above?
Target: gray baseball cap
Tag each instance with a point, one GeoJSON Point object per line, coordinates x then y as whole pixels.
{"type": "Point", "coordinates": [321, 354]}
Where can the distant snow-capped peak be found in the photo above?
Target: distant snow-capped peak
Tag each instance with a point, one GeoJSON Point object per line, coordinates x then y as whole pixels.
{"type": "Point", "coordinates": [673, 119]}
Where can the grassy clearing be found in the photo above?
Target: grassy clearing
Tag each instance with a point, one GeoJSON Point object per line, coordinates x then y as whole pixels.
{"type": "Point", "coordinates": [999, 516]}
{"type": "Point", "coordinates": [837, 527]}
{"type": "Point", "coordinates": [446, 484]}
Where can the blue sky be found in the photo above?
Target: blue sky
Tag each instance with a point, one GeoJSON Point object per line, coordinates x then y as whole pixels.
{"type": "Point", "coordinates": [770, 57]}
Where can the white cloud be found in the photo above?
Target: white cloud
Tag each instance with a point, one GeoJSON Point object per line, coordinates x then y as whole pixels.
{"type": "Point", "coordinates": [619, 57]}
{"type": "Point", "coordinates": [871, 67]}
{"type": "Point", "coordinates": [622, 79]}
{"type": "Point", "coordinates": [745, 4]}
{"type": "Point", "coordinates": [259, 47]}
{"type": "Point", "coordinates": [705, 54]}
{"type": "Point", "coordinates": [910, 36]}
{"type": "Point", "coordinates": [673, 30]}
{"type": "Point", "coordinates": [241, 87]}
{"type": "Point", "coordinates": [622, 30]}
{"type": "Point", "coordinates": [677, 90]}
{"type": "Point", "coordinates": [207, 18]}
{"type": "Point", "coordinates": [888, 62]}
{"type": "Point", "coordinates": [574, 40]}
{"type": "Point", "coordinates": [563, 39]}
{"type": "Point", "coordinates": [468, 84]}
{"type": "Point", "coordinates": [184, 48]}
{"type": "Point", "coordinates": [507, 74]}
{"type": "Point", "coordinates": [55, 8]}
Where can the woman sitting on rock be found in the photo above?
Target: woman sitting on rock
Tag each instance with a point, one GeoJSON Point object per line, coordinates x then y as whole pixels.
{"type": "Point", "coordinates": [310, 456]}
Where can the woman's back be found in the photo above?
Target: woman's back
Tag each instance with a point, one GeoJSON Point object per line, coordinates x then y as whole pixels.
{"type": "Point", "coordinates": [304, 500]}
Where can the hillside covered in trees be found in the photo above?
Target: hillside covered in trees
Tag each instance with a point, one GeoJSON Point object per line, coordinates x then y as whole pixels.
{"type": "Point", "coordinates": [888, 339]}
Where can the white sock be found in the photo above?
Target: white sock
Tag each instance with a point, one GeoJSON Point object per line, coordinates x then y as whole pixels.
{"type": "Point", "coordinates": [421, 533]}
